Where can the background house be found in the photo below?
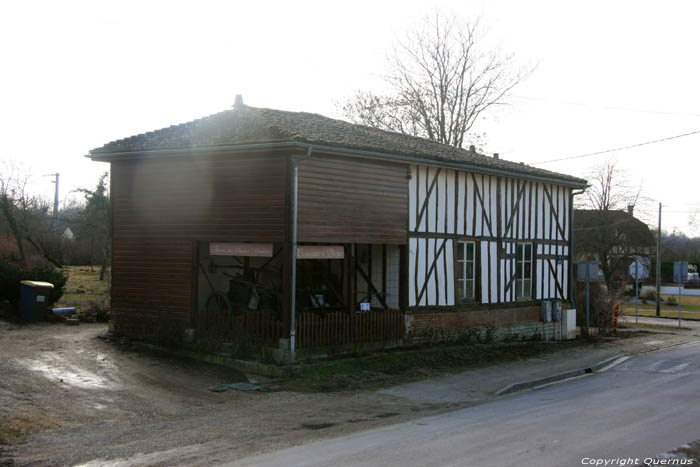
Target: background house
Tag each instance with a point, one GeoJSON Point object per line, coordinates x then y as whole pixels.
{"type": "Point", "coordinates": [614, 238]}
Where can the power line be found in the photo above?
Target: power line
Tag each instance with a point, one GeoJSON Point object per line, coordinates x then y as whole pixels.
{"type": "Point", "coordinates": [606, 107]}
{"type": "Point", "coordinates": [617, 149]}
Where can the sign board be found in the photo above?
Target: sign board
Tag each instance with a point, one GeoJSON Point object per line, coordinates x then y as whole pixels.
{"type": "Point", "coordinates": [241, 249]}
{"type": "Point", "coordinates": [680, 272]}
{"type": "Point", "coordinates": [364, 306]}
{"type": "Point", "coordinates": [581, 270]}
{"type": "Point", "coordinates": [320, 252]}
{"type": "Point", "coordinates": [638, 271]}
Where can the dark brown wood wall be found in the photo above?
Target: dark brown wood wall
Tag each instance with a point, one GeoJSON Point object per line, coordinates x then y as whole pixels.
{"type": "Point", "coordinates": [162, 205]}
{"type": "Point", "coordinates": [352, 200]}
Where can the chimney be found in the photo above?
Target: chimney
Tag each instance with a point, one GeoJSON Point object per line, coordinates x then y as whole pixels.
{"type": "Point", "coordinates": [630, 209]}
{"type": "Point", "coordinates": [238, 103]}
{"type": "Point", "coordinates": [472, 149]}
{"type": "Point", "coordinates": [495, 155]}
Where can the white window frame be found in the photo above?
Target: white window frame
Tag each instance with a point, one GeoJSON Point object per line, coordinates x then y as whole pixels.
{"type": "Point", "coordinates": [520, 292]}
{"type": "Point", "coordinates": [461, 268]}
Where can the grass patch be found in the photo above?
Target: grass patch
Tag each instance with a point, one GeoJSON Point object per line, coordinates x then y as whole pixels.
{"type": "Point", "coordinates": [84, 288]}
{"type": "Point", "coordinates": [665, 312]}
{"type": "Point", "coordinates": [399, 366]}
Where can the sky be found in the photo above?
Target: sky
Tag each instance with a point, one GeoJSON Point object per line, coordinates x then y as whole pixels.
{"type": "Point", "coordinates": [607, 74]}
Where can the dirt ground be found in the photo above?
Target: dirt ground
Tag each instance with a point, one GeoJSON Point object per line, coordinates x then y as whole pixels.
{"type": "Point", "coordinates": [68, 397]}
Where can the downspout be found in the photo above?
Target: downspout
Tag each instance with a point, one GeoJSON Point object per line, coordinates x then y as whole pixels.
{"type": "Point", "coordinates": [293, 311]}
{"type": "Point", "coordinates": [572, 287]}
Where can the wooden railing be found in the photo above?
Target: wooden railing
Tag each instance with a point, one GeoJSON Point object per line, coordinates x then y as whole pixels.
{"type": "Point", "coordinates": [312, 329]}
{"type": "Point", "coordinates": [320, 330]}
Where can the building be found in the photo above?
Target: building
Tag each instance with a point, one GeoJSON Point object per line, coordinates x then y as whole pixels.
{"type": "Point", "coordinates": [614, 238]}
{"type": "Point", "coordinates": [396, 237]}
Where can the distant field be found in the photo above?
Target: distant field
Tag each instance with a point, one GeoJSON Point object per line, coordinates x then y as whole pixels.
{"type": "Point", "coordinates": [83, 288]}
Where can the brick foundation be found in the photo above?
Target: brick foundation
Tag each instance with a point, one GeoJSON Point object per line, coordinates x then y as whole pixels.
{"type": "Point", "coordinates": [483, 325]}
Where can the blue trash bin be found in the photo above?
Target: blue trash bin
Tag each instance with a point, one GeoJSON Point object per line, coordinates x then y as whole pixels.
{"type": "Point", "coordinates": [33, 298]}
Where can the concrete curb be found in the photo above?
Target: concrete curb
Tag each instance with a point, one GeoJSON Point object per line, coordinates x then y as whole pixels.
{"type": "Point", "coordinates": [522, 385]}
{"type": "Point", "coordinates": [604, 365]}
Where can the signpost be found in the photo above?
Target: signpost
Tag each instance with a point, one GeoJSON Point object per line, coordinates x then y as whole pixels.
{"type": "Point", "coordinates": [638, 272]}
{"type": "Point", "coordinates": [680, 275]}
{"type": "Point", "coordinates": [587, 271]}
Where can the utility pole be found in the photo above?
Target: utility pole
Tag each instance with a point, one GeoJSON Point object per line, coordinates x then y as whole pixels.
{"type": "Point", "coordinates": [55, 196]}
{"type": "Point", "coordinates": [658, 266]}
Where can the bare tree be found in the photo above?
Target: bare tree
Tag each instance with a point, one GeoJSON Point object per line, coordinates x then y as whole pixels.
{"type": "Point", "coordinates": [27, 215]}
{"type": "Point", "coordinates": [609, 189]}
{"type": "Point", "coordinates": [442, 79]}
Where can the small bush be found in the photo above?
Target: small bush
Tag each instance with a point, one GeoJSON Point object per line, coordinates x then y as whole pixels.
{"type": "Point", "coordinates": [671, 300]}
{"type": "Point", "coordinates": [649, 295]}
{"type": "Point", "coordinates": [13, 271]}
{"type": "Point", "coordinates": [601, 307]}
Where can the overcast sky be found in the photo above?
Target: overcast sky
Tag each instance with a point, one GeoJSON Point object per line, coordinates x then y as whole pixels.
{"type": "Point", "coordinates": [76, 75]}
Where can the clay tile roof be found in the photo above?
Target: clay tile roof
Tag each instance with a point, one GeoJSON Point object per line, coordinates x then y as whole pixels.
{"type": "Point", "coordinates": [250, 125]}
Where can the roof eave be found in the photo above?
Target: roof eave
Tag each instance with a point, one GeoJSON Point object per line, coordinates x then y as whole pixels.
{"type": "Point", "coordinates": [108, 157]}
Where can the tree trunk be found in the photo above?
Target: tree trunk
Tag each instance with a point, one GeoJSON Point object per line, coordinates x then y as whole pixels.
{"type": "Point", "coordinates": [105, 259]}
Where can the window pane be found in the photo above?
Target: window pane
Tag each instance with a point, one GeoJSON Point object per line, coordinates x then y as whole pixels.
{"type": "Point", "coordinates": [527, 270]}
{"type": "Point", "coordinates": [470, 251]}
{"type": "Point", "coordinates": [519, 251]}
{"type": "Point", "coordinates": [518, 288]}
{"type": "Point", "coordinates": [470, 270]}
{"type": "Point", "coordinates": [460, 290]}
{"type": "Point", "coordinates": [528, 252]}
{"type": "Point", "coordinates": [460, 250]}
{"type": "Point", "coordinates": [470, 289]}
{"type": "Point", "coordinates": [519, 269]}
{"type": "Point", "coordinates": [527, 293]}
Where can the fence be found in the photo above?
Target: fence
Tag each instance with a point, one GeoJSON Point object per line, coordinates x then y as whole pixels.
{"type": "Point", "coordinates": [263, 328]}
{"type": "Point", "coordinates": [320, 330]}
{"type": "Point", "coordinates": [259, 328]}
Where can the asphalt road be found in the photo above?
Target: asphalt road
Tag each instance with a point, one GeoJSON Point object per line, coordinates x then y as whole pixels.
{"type": "Point", "coordinates": [647, 405]}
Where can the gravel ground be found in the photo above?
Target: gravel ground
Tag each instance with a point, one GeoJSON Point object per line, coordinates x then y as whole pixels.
{"type": "Point", "coordinates": [69, 398]}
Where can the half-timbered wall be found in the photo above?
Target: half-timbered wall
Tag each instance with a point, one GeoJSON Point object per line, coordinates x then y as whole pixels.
{"type": "Point", "coordinates": [496, 213]}
{"type": "Point", "coordinates": [381, 264]}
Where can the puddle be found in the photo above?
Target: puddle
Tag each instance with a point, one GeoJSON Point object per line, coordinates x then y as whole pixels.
{"type": "Point", "coordinates": [60, 371]}
{"type": "Point", "coordinates": [374, 417]}
{"type": "Point", "coordinates": [316, 426]}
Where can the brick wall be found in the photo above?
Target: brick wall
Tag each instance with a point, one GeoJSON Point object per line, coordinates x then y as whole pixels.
{"type": "Point", "coordinates": [496, 324]}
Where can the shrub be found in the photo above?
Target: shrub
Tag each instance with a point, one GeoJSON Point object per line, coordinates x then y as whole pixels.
{"type": "Point", "coordinates": [671, 300]}
{"type": "Point", "coordinates": [649, 295]}
{"type": "Point", "coordinates": [13, 271]}
{"type": "Point", "coordinates": [601, 307]}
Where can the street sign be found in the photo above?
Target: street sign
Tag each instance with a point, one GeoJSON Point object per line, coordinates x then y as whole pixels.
{"type": "Point", "coordinates": [638, 271]}
{"type": "Point", "coordinates": [592, 271]}
{"type": "Point", "coordinates": [263, 250]}
{"type": "Point", "coordinates": [680, 272]}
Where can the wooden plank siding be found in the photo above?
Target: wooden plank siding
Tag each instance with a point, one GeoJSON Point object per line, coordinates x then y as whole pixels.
{"type": "Point", "coordinates": [352, 200]}
{"type": "Point", "coordinates": [497, 213]}
{"type": "Point", "coordinates": [161, 206]}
